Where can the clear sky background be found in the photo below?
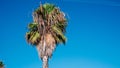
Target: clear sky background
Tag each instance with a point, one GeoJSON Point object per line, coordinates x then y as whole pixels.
{"type": "Point", "coordinates": [93, 34]}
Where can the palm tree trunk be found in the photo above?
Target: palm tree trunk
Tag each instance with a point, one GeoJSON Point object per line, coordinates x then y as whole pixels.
{"type": "Point", "coordinates": [45, 62]}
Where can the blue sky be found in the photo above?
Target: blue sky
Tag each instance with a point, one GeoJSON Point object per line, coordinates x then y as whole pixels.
{"type": "Point", "coordinates": [93, 34]}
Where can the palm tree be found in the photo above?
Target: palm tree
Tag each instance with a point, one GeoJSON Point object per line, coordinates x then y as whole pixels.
{"type": "Point", "coordinates": [47, 30]}
{"type": "Point", "coordinates": [1, 64]}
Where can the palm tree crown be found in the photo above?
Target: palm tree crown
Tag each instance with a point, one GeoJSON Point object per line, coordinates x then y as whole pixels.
{"type": "Point", "coordinates": [1, 64]}
{"type": "Point", "coordinates": [47, 29]}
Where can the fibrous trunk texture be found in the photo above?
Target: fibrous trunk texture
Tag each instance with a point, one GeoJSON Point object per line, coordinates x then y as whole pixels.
{"type": "Point", "coordinates": [45, 62]}
{"type": "Point", "coordinates": [1, 67]}
{"type": "Point", "coordinates": [46, 46]}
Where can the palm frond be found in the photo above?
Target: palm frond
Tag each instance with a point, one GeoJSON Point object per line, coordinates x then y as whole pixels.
{"type": "Point", "coordinates": [48, 7]}
{"type": "Point", "coordinates": [1, 64]}
{"type": "Point", "coordinates": [32, 37]}
{"type": "Point", "coordinates": [61, 26]}
{"type": "Point", "coordinates": [59, 36]}
{"type": "Point", "coordinates": [33, 26]}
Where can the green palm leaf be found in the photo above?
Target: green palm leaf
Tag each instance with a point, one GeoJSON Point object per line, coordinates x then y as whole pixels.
{"type": "Point", "coordinates": [32, 37]}
{"type": "Point", "coordinates": [60, 38]}
{"type": "Point", "coordinates": [61, 26]}
{"type": "Point", "coordinates": [48, 7]}
{"type": "Point", "coordinates": [32, 26]}
{"type": "Point", "coordinates": [1, 64]}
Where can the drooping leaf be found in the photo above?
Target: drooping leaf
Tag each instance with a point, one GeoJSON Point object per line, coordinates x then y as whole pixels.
{"type": "Point", "coordinates": [60, 38]}
{"type": "Point", "coordinates": [32, 37]}
{"type": "Point", "coordinates": [35, 37]}
{"type": "Point", "coordinates": [32, 26]}
{"type": "Point", "coordinates": [61, 26]}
